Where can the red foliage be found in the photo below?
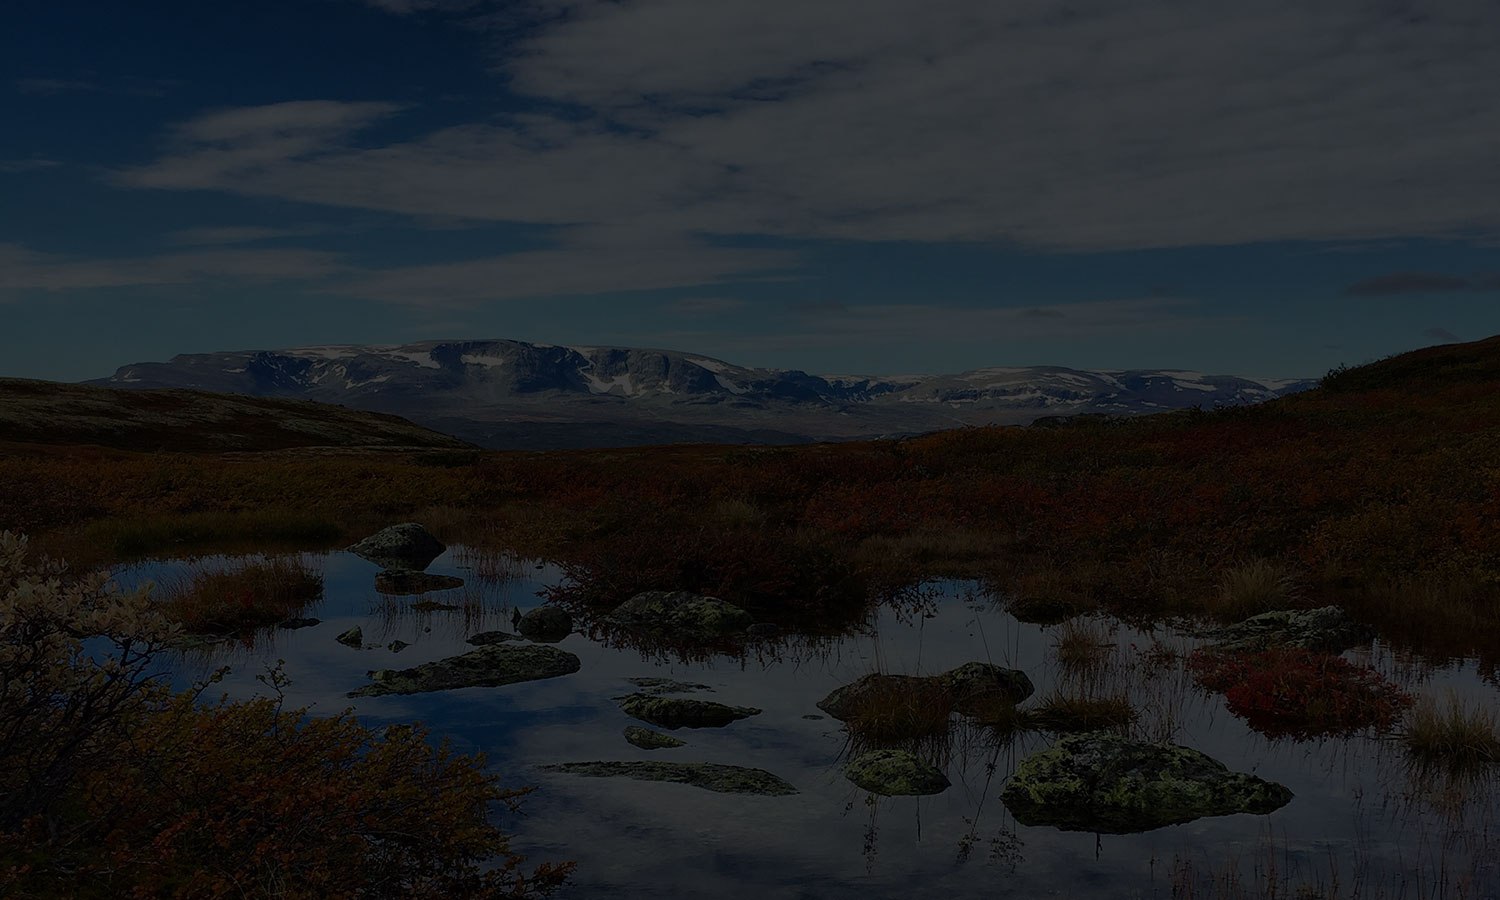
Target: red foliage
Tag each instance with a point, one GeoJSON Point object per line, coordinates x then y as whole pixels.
{"type": "Point", "coordinates": [1298, 693]}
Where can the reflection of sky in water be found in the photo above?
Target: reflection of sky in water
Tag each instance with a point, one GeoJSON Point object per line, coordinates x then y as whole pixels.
{"type": "Point", "coordinates": [633, 838]}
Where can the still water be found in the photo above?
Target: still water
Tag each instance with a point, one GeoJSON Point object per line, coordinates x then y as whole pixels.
{"type": "Point", "coordinates": [1357, 820]}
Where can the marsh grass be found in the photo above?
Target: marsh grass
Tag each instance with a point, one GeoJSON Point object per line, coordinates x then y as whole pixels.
{"type": "Point", "coordinates": [240, 598]}
{"type": "Point", "coordinates": [1082, 644]}
{"type": "Point", "coordinates": [1441, 616]}
{"type": "Point", "coordinates": [1048, 595]}
{"type": "Point", "coordinates": [898, 711]}
{"type": "Point", "coordinates": [1452, 739]}
{"type": "Point", "coordinates": [1253, 587]}
{"type": "Point", "coordinates": [1064, 713]}
{"type": "Point", "coordinates": [266, 528]}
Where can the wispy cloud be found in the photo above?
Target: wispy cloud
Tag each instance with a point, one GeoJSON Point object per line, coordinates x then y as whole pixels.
{"type": "Point", "coordinates": [239, 234]}
{"type": "Point", "coordinates": [1407, 283]}
{"type": "Point", "coordinates": [19, 166]}
{"type": "Point", "coordinates": [22, 269]}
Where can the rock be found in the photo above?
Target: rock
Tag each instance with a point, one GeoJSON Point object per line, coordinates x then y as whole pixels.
{"type": "Point", "coordinates": [354, 637]}
{"type": "Point", "coordinates": [763, 629]}
{"type": "Point", "coordinates": [492, 637]}
{"type": "Point", "coordinates": [658, 686]}
{"type": "Point", "coordinates": [404, 546]}
{"type": "Point", "coordinates": [972, 686]}
{"type": "Point", "coordinates": [490, 666]}
{"type": "Point", "coordinates": [681, 614]}
{"type": "Point", "coordinates": [681, 712]}
{"type": "Point", "coordinates": [406, 581]}
{"type": "Point", "coordinates": [397, 646]}
{"type": "Point", "coordinates": [709, 776]}
{"type": "Point", "coordinates": [433, 606]}
{"type": "Point", "coordinates": [813, 717]}
{"type": "Point", "coordinates": [295, 622]}
{"type": "Point", "coordinates": [895, 772]}
{"type": "Point", "coordinates": [1109, 784]}
{"type": "Point", "coordinates": [647, 739]}
{"type": "Point", "coordinates": [1325, 629]}
{"type": "Point", "coordinates": [546, 623]}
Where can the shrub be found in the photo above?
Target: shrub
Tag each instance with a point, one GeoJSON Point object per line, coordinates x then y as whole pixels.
{"type": "Point", "coordinates": [1298, 693]}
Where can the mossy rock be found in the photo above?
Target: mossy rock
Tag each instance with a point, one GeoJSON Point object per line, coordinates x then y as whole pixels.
{"type": "Point", "coordinates": [895, 772]}
{"type": "Point", "coordinates": [405, 546]}
{"type": "Point", "coordinates": [709, 776]}
{"type": "Point", "coordinates": [647, 739]}
{"type": "Point", "coordinates": [1326, 629]}
{"type": "Point", "coordinates": [546, 623]}
{"type": "Point", "coordinates": [484, 638]}
{"type": "Point", "coordinates": [681, 712]}
{"type": "Point", "coordinates": [490, 666]}
{"type": "Point", "coordinates": [681, 614]}
{"type": "Point", "coordinates": [658, 686]}
{"type": "Point", "coordinates": [1108, 784]}
{"type": "Point", "coordinates": [972, 687]}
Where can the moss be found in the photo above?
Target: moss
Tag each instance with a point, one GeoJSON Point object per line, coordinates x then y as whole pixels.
{"type": "Point", "coordinates": [681, 712]}
{"type": "Point", "coordinates": [895, 773]}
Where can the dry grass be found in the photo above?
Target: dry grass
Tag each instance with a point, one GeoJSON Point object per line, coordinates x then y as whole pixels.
{"type": "Point", "coordinates": [1050, 595]}
{"type": "Point", "coordinates": [1061, 713]}
{"type": "Point", "coordinates": [240, 598]}
{"type": "Point", "coordinates": [1453, 739]}
{"type": "Point", "coordinates": [1253, 587]}
{"type": "Point", "coordinates": [1082, 644]}
{"type": "Point", "coordinates": [898, 711]}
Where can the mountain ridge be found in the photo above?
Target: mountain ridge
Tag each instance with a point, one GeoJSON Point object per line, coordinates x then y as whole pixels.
{"type": "Point", "coordinates": [506, 394]}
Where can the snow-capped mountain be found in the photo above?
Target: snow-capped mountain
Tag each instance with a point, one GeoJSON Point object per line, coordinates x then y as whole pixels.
{"type": "Point", "coordinates": [515, 394]}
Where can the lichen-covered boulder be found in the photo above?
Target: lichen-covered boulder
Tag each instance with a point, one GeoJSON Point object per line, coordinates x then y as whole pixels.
{"type": "Point", "coordinates": [406, 582]}
{"type": "Point", "coordinates": [404, 546]}
{"type": "Point", "coordinates": [681, 712]}
{"type": "Point", "coordinates": [489, 666]}
{"type": "Point", "coordinates": [1108, 784]}
{"type": "Point", "coordinates": [895, 772]}
{"type": "Point", "coordinates": [354, 637]}
{"type": "Point", "coordinates": [709, 776]}
{"type": "Point", "coordinates": [492, 637]}
{"type": "Point", "coordinates": [972, 686]}
{"type": "Point", "coordinates": [681, 614]}
{"type": "Point", "coordinates": [546, 623]}
{"type": "Point", "coordinates": [647, 739]}
{"type": "Point", "coordinates": [1325, 629]}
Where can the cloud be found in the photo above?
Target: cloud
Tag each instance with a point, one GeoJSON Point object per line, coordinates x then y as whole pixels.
{"type": "Point", "coordinates": [703, 306]}
{"type": "Point", "coordinates": [1044, 313]}
{"type": "Point", "coordinates": [22, 269]}
{"type": "Point", "coordinates": [19, 166]}
{"type": "Point", "coordinates": [1442, 334]}
{"type": "Point", "coordinates": [1407, 283]}
{"type": "Point", "coordinates": [238, 234]}
{"type": "Point", "coordinates": [48, 87]}
{"type": "Point", "coordinates": [1084, 125]}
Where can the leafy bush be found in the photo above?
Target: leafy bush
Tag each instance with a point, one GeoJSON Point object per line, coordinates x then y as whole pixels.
{"type": "Point", "coordinates": [1299, 693]}
{"type": "Point", "coordinates": [112, 786]}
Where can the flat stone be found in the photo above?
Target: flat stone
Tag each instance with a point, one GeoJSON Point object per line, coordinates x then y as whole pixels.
{"type": "Point", "coordinates": [895, 772]}
{"type": "Point", "coordinates": [972, 686]}
{"type": "Point", "coordinates": [681, 614]}
{"type": "Point", "coordinates": [647, 739]}
{"type": "Point", "coordinates": [433, 606]}
{"type": "Point", "coordinates": [681, 712]}
{"type": "Point", "coordinates": [492, 637]}
{"type": "Point", "coordinates": [659, 686]}
{"type": "Point", "coordinates": [1326, 629]}
{"type": "Point", "coordinates": [709, 776]}
{"type": "Point", "coordinates": [406, 581]}
{"type": "Point", "coordinates": [1108, 784]}
{"type": "Point", "coordinates": [491, 666]}
{"type": "Point", "coordinates": [397, 646]}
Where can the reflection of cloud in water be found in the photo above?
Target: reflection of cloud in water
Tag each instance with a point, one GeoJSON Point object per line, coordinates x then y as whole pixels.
{"type": "Point", "coordinates": [631, 838]}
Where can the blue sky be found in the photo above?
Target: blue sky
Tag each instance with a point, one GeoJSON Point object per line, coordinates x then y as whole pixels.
{"type": "Point", "coordinates": [870, 187]}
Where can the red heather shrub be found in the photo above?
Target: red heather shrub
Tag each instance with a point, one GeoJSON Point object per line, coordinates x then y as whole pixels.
{"type": "Point", "coordinates": [1299, 693]}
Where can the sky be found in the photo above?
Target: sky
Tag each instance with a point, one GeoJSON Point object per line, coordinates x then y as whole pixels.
{"type": "Point", "coordinates": [842, 186]}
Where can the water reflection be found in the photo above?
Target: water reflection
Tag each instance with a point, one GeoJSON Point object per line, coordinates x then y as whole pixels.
{"type": "Point", "coordinates": [1357, 814]}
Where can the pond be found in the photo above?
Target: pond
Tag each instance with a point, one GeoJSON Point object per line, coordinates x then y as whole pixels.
{"type": "Point", "coordinates": [1358, 818]}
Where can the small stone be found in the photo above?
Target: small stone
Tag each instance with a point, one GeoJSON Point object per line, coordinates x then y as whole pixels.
{"type": "Point", "coordinates": [397, 646]}
{"type": "Point", "coordinates": [681, 712]}
{"type": "Point", "coordinates": [492, 637]}
{"type": "Point", "coordinates": [895, 772]}
{"type": "Point", "coordinates": [647, 739]}
{"type": "Point", "coordinates": [406, 582]}
{"type": "Point", "coordinates": [709, 776]}
{"type": "Point", "coordinates": [354, 637]}
{"type": "Point", "coordinates": [546, 623]}
{"type": "Point", "coordinates": [490, 666]}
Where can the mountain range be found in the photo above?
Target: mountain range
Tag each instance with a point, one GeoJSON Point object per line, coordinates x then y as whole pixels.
{"type": "Point", "coordinates": [505, 394]}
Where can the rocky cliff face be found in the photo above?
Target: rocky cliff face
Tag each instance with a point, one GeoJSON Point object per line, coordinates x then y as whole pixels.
{"type": "Point", "coordinates": [516, 394]}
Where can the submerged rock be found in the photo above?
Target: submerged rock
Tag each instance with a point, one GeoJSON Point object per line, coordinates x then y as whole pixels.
{"type": "Point", "coordinates": [546, 623]}
{"type": "Point", "coordinates": [1109, 784]}
{"type": "Point", "coordinates": [658, 686]}
{"type": "Point", "coordinates": [647, 739]}
{"type": "Point", "coordinates": [397, 646]}
{"type": "Point", "coordinates": [492, 637]}
{"type": "Point", "coordinates": [406, 581]}
{"type": "Point", "coordinates": [405, 546]}
{"type": "Point", "coordinates": [1326, 629]}
{"type": "Point", "coordinates": [895, 772]}
{"type": "Point", "coordinates": [490, 666]}
{"type": "Point", "coordinates": [972, 686]}
{"type": "Point", "coordinates": [681, 712]}
{"type": "Point", "coordinates": [681, 614]}
{"type": "Point", "coordinates": [296, 622]}
{"type": "Point", "coordinates": [709, 776]}
{"type": "Point", "coordinates": [354, 637]}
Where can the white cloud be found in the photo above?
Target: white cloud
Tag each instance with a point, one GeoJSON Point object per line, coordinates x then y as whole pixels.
{"type": "Point", "coordinates": [22, 269]}
{"type": "Point", "coordinates": [1088, 125]}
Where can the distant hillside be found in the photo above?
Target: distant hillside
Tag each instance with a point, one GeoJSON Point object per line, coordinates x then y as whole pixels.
{"type": "Point", "coordinates": [194, 421]}
{"type": "Point", "coordinates": [513, 394]}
